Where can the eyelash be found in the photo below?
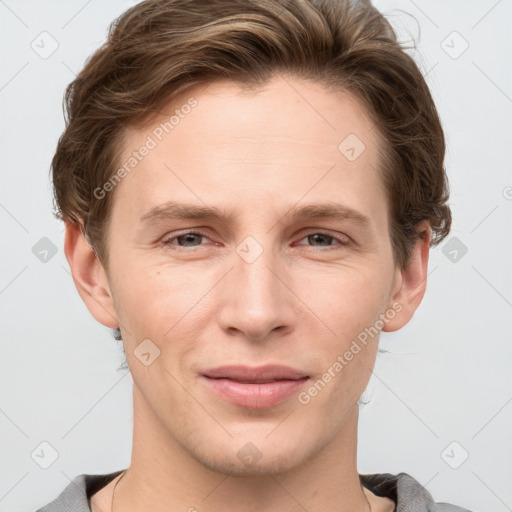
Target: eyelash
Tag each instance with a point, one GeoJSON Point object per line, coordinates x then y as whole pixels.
{"type": "Point", "coordinates": [167, 243]}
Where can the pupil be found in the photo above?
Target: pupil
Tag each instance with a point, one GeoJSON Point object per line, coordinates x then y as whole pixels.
{"type": "Point", "coordinates": [189, 237]}
{"type": "Point", "coordinates": [325, 237]}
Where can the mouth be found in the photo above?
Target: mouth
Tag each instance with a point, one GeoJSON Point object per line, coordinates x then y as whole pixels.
{"type": "Point", "coordinates": [255, 388]}
{"type": "Point", "coordinates": [268, 373]}
{"type": "Point", "coordinates": [253, 381]}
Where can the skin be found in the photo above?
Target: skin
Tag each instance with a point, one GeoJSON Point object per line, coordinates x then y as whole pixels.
{"type": "Point", "coordinates": [300, 303]}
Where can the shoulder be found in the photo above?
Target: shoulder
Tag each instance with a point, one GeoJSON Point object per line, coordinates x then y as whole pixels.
{"type": "Point", "coordinates": [77, 493]}
{"type": "Point", "coordinates": [408, 494]}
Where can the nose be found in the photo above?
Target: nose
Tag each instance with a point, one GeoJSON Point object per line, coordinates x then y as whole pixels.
{"type": "Point", "coordinates": [256, 301]}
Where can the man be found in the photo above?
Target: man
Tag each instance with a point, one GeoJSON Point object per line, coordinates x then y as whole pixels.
{"type": "Point", "coordinates": [249, 189]}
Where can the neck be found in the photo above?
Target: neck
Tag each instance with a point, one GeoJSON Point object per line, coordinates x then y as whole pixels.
{"type": "Point", "coordinates": [162, 474]}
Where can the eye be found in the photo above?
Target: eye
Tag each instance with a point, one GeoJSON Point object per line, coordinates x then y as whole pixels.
{"type": "Point", "coordinates": [187, 238]}
{"type": "Point", "coordinates": [324, 238]}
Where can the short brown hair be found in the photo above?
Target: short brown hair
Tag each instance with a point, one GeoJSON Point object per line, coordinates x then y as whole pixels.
{"type": "Point", "coordinates": [159, 48]}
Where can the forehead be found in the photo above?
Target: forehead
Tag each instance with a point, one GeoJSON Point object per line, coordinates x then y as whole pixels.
{"type": "Point", "coordinates": [326, 115]}
{"type": "Point", "coordinates": [286, 139]}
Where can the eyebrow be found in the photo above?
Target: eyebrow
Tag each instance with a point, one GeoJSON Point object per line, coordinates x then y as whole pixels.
{"type": "Point", "coordinates": [173, 210]}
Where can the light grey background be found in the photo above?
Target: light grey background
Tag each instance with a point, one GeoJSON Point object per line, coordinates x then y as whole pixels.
{"type": "Point", "coordinates": [448, 378]}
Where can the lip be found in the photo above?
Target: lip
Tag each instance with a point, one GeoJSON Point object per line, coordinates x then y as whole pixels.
{"type": "Point", "coordinates": [264, 386]}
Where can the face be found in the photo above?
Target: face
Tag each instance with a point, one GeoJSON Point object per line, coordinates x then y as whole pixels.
{"type": "Point", "coordinates": [276, 277]}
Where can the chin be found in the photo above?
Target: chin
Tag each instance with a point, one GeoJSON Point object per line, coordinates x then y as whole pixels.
{"type": "Point", "coordinates": [276, 465]}
{"type": "Point", "coordinates": [245, 458]}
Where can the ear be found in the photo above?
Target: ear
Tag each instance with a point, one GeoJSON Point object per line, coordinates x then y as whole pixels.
{"type": "Point", "coordinates": [89, 276]}
{"type": "Point", "coordinates": [411, 282]}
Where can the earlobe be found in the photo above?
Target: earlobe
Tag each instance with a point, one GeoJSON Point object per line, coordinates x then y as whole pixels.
{"type": "Point", "coordinates": [89, 276]}
{"type": "Point", "coordinates": [412, 282]}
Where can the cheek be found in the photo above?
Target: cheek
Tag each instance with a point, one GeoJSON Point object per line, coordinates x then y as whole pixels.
{"type": "Point", "coordinates": [163, 302]}
{"type": "Point", "coordinates": [349, 300]}
{"type": "Point", "coordinates": [350, 308]}
{"type": "Point", "coordinates": [159, 303]}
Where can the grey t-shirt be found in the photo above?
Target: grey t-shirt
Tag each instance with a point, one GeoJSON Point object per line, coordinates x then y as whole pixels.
{"type": "Point", "coordinates": [408, 494]}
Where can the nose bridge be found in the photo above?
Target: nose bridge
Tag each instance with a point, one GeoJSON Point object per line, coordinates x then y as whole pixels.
{"type": "Point", "coordinates": [255, 268]}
